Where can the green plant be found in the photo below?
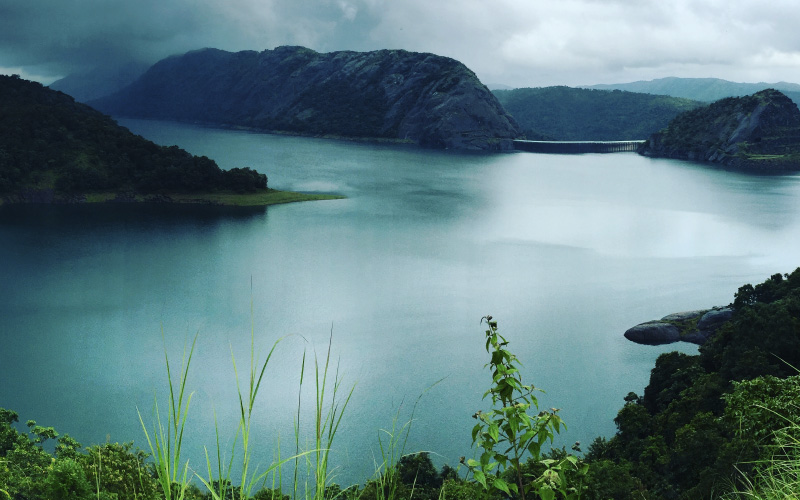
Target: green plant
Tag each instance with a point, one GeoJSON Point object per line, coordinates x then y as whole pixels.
{"type": "Point", "coordinates": [327, 417]}
{"type": "Point", "coordinates": [165, 444]}
{"type": "Point", "coordinates": [507, 433]}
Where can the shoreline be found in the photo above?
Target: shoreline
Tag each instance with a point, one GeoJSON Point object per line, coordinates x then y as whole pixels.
{"type": "Point", "coordinates": [258, 199]}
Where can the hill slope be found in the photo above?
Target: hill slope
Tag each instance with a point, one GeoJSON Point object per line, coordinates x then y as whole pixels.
{"type": "Point", "coordinates": [431, 100]}
{"type": "Point", "coordinates": [757, 132]}
{"type": "Point", "coordinates": [53, 148]}
{"type": "Point", "coordinates": [570, 114]}
{"type": "Point", "coordinates": [702, 89]}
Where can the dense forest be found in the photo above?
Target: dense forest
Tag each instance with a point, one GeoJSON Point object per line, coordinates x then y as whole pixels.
{"type": "Point", "coordinates": [50, 142]}
{"type": "Point", "coordinates": [707, 425]}
{"type": "Point", "coordinates": [572, 114]}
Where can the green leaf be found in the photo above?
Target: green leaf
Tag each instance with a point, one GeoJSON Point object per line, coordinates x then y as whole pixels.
{"type": "Point", "coordinates": [545, 493]}
{"type": "Point", "coordinates": [480, 477]}
{"type": "Point", "coordinates": [501, 485]}
{"type": "Point", "coordinates": [494, 432]}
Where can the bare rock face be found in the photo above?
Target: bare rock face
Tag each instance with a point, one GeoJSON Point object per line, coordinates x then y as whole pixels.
{"type": "Point", "coordinates": [695, 327]}
{"type": "Point", "coordinates": [653, 333]}
{"type": "Point", "coordinates": [427, 99]}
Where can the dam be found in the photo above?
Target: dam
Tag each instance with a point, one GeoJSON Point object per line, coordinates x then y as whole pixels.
{"type": "Point", "coordinates": [577, 147]}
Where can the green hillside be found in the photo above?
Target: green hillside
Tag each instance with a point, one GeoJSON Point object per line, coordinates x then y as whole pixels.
{"type": "Point", "coordinates": [570, 114]}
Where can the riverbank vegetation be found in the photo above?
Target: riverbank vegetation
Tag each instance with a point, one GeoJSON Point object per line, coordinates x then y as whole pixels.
{"type": "Point", "coordinates": [724, 423]}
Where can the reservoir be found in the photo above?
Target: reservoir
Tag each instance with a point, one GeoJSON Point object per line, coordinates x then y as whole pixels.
{"type": "Point", "coordinates": [565, 251]}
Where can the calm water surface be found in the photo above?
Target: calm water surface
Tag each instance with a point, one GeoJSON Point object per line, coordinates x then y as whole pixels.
{"type": "Point", "coordinates": [565, 251]}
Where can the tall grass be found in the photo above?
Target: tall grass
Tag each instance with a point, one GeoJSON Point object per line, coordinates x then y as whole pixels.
{"type": "Point", "coordinates": [165, 438]}
{"type": "Point", "coordinates": [327, 418]}
{"type": "Point", "coordinates": [165, 441]}
{"type": "Point", "coordinates": [777, 478]}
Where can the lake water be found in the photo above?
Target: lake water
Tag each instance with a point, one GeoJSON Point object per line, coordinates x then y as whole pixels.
{"type": "Point", "coordinates": [567, 252]}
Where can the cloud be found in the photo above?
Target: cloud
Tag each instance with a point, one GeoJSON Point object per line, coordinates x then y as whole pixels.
{"type": "Point", "coordinates": [518, 42]}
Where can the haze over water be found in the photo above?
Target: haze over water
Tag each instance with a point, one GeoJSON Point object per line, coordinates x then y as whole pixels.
{"type": "Point", "coordinates": [565, 251]}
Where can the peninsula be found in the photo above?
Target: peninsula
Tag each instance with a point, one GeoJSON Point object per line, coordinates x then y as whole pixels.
{"type": "Point", "coordinates": [55, 150]}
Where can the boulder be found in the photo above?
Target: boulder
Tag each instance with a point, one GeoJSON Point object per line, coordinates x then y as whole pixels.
{"type": "Point", "coordinates": [695, 327]}
{"type": "Point", "coordinates": [654, 333]}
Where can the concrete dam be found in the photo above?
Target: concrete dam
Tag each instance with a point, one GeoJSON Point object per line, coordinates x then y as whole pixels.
{"type": "Point", "coordinates": [577, 147]}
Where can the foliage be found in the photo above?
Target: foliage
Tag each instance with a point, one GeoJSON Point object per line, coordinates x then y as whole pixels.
{"type": "Point", "coordinates": [66, 480]}
{"type": "Point", "coordinates": [120, 470]}
{"type": "Point", "coordinates": [706, 421]}
{"type": "Point", "coordinates": [29, 472]}
{"type": "Point", "coordinates": [506, 433]}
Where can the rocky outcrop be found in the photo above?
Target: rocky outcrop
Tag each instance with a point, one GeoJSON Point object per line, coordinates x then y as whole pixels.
{"type": "Point", "coordinates": [758, 132]}
{"type": "Point", "coordinates": [695, 327]}
{"type": "Point", "coordinates": [391, 94]}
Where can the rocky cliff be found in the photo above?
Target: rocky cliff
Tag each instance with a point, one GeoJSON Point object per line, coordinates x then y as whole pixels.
{"type": "Point", "coordinates": [427, 99]}
{"type": "Point", "coordinates": [758, 132]}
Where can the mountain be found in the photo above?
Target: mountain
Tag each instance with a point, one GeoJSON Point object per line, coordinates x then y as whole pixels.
{"type": "Point", "coordinates": [572, 114]}
{"type": "Point", "coordinates": [55, 149]}
{"type": "Point", "coordinates": [758, 132]}
{"type": "Point", "coordinates": [427, 99]}
{"type": "Point", "coordinates": [701, 89]}
{"type": "Point", "coordinates": [100, 81]}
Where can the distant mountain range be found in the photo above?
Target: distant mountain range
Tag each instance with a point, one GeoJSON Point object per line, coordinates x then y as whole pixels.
{"type": "Point", "coordinates": [700, 89]}
{"type": "Point", "coordinates": [573, 114]}
{"type": "Point", "coordinates": [430, 100]}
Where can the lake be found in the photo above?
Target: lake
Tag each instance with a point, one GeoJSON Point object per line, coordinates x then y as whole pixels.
{"type": "Point", "coordinates": [566, 252]}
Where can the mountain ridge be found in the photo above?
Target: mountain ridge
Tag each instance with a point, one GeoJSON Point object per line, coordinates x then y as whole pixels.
{"type": "Point", "coordinates": [430, 100]}
{"type": "Point", "coordinates": [700, 89]}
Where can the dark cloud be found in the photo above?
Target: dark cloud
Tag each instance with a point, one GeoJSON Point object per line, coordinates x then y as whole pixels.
{"type": "Point", "coordinates": [517, 42]}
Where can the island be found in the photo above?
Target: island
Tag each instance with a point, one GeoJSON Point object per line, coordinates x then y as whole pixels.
{"type": "Point", "coordinates": [56, 150]}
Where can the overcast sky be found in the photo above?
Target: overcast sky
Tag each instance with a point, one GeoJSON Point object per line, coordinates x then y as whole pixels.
{"type": "Point", "coordinates": [521, 43]}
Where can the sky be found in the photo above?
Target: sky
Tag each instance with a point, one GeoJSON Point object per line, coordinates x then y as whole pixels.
{"type": "Point", "coordinates": [519, 43]}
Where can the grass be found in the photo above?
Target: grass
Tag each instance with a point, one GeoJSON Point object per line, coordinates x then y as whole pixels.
{"type": "Point", "coordinates": [165, 439]}
{"type": "Point", "coordinates": [777, 478]}
{"type": "Point", "coordinates": [259, 199]}
{"type": "Point", "coordinates": [264, 198]}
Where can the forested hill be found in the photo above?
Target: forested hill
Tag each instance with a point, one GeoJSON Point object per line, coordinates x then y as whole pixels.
{"type": "Point", "coordinates": [758, 132]}
{"type": "Point", "coordinates": [571, 114]}
{"type": "Point", "coordinates": [714, 421]}
{"type": "Point", "coordinates": [52, 147]}
{"type": "Point", "coordinates": [389, 94]}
